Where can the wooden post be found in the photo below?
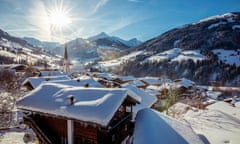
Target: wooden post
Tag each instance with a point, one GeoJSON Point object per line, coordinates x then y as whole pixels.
{"type": "Point", "coordinates": [70, 131]}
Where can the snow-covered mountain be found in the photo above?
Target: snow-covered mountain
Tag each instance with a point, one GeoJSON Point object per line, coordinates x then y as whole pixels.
{"type": "Point", "coordinates": [99, 46]}
{"type": "Point", "coordinates": [205, 51]}
{"type": "Point", "coordinates": [17, 50]}
{"type": "Point", "coordinates": [41, 44]}
{"type": "Point", "coordinates": [130, 43]}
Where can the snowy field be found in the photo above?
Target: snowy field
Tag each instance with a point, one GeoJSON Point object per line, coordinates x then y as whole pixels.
{"type": "Point", "coordinates": [16, 136]}
{"type": "Point", "coordinates": [218, 124]}
{"type": "Point", "coordinates": [228, 56]}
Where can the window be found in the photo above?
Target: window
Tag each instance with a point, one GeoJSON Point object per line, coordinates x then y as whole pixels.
{"type": "Point", "coordinates": [113, 137]}
{"type": "Point", "coordinates": [63, 140]}
{"type": "Point", "coordinates": [126, 127]}
{"type": "Point", "coordinates": [128, 109]}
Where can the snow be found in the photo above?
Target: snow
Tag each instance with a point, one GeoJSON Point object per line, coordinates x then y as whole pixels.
{"type": "Point", "coordinates": [225, 108]}
{"type": "Point", "coordinates": [228, 56]}
{"type": "Point", "coordinates": [168, 84]}
{"type": "Point", "coordinates": [153, 127]}
{"type": "Point", "coordinates": [166, 55]}
{"type": "Point", "coordinates": [105, 65]}
{"type": "Point", "coordinates": [125, 78]}
{"type": "Point", "coordinates": [184, 83]}
{"type": "Point", "coordinates": [213, 94]}
{"type": "Point", "coordinates": [77, 82]}
{"type": "Point", "coordinates": [214, 126]}
{"type": "Point", "coordinates": [136, 83]}
{"type": "Point", "coordinates": [175, 44]}
{"type": "Point", "coordinates": [186, 55]}
{"type": "Point", "coordinates": [237, 104]}
{"type": "Point", "coordinates": [36, 81]}
{"type": "Point", "coordinates": [107, 76]}
{"type": "Point", "coordinates": [15, 136]}
{"type": "Point", "coordinates": [7, 54]}
{"type": "Point", "coordinates": [97, 105]}
{"type": "Point", "coordinates": [102, 35]}
{"type": "Point", "coordinates": [52, 73]}
{"type": "Point", "coordinates": [234, 27]}
{"type": "Point", "coordinates": [161, 87]}
{"type": "Point", "coordinates": [216, 25]}
{"type": "Point", "coordinates": [176, 54]}
{"type": "Point", "coordinates": [151, 80]}
{"type": "Point", "coordinates": [147, 100]}
{"type": "Point", "coordinates": [208, 101]}
{"type": "Point", "coordinates": [218, 17]}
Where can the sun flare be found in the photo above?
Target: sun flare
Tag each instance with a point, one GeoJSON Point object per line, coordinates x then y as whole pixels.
{"type": "Point", "coordinates": [59, 18]}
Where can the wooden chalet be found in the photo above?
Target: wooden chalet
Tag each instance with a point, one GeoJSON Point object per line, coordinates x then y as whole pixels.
{"type": "Point", "coordinates": [33, 82]}
{"type": "Point", "coordinates": [61, 114]}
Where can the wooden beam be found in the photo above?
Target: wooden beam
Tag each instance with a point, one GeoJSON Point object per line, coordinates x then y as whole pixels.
{"type": "Point", "coordinates": [70, 130]}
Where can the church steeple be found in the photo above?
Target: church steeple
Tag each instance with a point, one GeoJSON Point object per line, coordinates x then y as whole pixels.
{"type": "Point", "coordinates": [66, 63]}
{"type": "Point", "coordinates": [65, 52]}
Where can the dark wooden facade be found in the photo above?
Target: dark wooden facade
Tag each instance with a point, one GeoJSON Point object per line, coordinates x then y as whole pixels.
{"type": "Point", "coordinates": [53, 129]}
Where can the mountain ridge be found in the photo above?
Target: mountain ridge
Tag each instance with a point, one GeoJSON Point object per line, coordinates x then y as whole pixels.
{"type": "Point", "coordinates": [96, 47]}
{"type": "Point", "coordinates": [205, 51]}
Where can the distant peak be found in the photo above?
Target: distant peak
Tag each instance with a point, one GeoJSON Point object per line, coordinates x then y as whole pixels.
{"type": "Point", "coordinates": [99, 36]}
{"type": "Point", "coordinates": [103, 34]}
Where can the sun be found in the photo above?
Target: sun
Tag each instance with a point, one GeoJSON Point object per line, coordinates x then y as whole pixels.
{"type": "Point", "coordinates": [59, 18]}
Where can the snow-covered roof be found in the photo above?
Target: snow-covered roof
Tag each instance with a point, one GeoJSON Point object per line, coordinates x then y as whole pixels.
{"type": "Point", "coordinates": [52, 73]}
{"type": "Point", "coordinates": [151, 80]}
{"type": "Point", "coordinates": [213, 94]}
{"type": "Point", "coordinates": [95, 105]}
{"type": "Point", "coordinates": [161, 87]}
{"type": "Point", "coordinates": [152, 127]}
{"type": "Point", "coordinates": [184, 83]}
{"type": "Point", "coordinates": [136, 83]}
{"type": "Point", "coordinates": [36, 81]}
{"type": "Point", "coordinates": [108, 76]}
{"type": "Point", "coordinates": [91, 82]}
{"type": "Point", "coordinates": [125, 78]}
{"type": "Point", "coordinates": [146, 100]}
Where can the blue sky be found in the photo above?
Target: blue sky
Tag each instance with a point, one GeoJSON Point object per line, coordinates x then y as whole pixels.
{"type": "Point", "coordinates": [143, 19]}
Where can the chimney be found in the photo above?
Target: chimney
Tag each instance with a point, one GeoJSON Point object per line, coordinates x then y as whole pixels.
{"type": "Point", "coordinates": [70, 100]}
{"type": "Point", "coordinates": [86, 85]}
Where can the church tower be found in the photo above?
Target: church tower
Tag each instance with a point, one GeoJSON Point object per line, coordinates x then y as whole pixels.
{"type": "Point", "coordinates": [66, 63]}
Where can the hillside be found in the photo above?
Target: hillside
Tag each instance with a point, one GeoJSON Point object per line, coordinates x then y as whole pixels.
{"type": "Point", "coordinates": [16, 50]}
{"type": "Point", "coordinates": [42, 44]}
{"type": "Point", "coordinates": [205, 51]}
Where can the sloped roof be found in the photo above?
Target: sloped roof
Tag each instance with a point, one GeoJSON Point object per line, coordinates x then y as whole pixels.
{"type": "Point", "coordinates": [78, 82]}
{"type": "Point", "coordinates": [96, 105]}
{"type": "Point", "coordinates": [151, 80]}
{"type": "Point", "coordinates": [36, 81]}
{"type": "Point", "coordinates": [184, 82]}
{"type": "Point", "coordinates": [152, 127]}
{"type": "Point", "coordinates": [146, 100]}
{"type": "Point", "coordinates": [108, 76]}
{"type": "Point", "coordinates": [52, 73]}
{"type": "Point", "coordinates": [125, 78]}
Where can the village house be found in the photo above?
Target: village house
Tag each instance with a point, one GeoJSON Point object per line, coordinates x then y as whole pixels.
{"type": "Point", "coordinates": [33, 82]}
{"type": "Point", "coordinates": [65, 114]}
